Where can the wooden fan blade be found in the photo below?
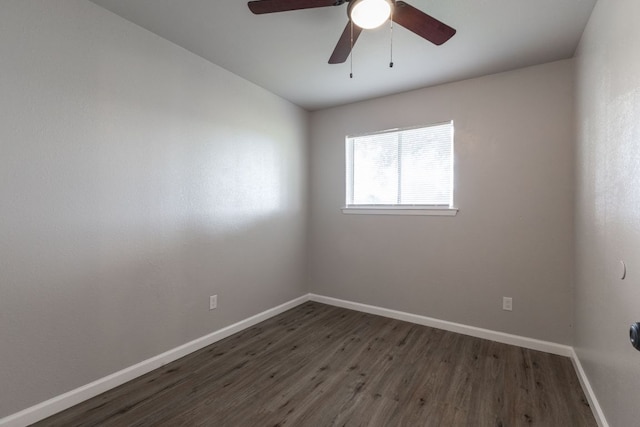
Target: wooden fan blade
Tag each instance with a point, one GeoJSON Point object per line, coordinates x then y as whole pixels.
{"type": "Point", "coordinates": [343, 48]}
{"type": "Point", "coordinates": [422, 24]}
{"type": "Point", "coordinates": [271, 6]}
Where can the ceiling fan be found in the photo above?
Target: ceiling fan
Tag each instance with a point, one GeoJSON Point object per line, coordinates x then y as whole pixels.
{"type": "Point", "coordinates": [358, 12]}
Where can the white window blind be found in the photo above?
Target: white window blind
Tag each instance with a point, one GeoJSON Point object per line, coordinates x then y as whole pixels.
{"type": "Point", "coordinates": [408, 167]}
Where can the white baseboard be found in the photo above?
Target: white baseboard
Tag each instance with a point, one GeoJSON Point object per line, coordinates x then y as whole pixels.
{"type": "Point", "coordinates": [530, 343]}
{"type": "Point", "coordinates": [64, 401]}
{"type": "Point", "coordinates": [588, 391]}
{"type": "Point", "coordinates": [73, 397]}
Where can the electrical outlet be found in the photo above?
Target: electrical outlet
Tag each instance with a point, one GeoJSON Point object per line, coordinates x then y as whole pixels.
{"type": "Point", "coordinates": [213, 302]}
{"type": "Point", "coordinates": [507, 303]}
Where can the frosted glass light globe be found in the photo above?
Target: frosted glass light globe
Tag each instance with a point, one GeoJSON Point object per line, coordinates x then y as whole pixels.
{"type": "Point", "coordinates": [369, 14]}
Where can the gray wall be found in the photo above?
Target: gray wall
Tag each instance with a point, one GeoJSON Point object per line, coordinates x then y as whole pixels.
{"type": "Point", "coordinates": [608, 206]}
{"type": "Point", "coordinates": [513, 184]}
{"type": "Point", "coordinates": [136, 179]}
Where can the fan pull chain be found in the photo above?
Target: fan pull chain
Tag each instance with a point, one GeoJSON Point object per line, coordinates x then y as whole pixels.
{"type": "Point", "coordinates": [391, 36]}
{"type": "Point", "coordinates": [351, 53]}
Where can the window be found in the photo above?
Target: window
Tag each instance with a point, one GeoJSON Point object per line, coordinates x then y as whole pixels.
{"type": "Point", "coordinates": [407, 169]}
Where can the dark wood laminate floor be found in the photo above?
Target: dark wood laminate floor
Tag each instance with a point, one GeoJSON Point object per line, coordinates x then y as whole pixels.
{"type": "Point", "coordinates": [318, 365]}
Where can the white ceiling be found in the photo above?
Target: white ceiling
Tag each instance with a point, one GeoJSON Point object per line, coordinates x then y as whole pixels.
{"type": "Point", "coordinates": [287, 52]}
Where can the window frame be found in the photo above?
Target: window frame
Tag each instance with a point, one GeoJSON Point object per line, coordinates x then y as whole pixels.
{"type": "Point", "coordinates": [397, 209]}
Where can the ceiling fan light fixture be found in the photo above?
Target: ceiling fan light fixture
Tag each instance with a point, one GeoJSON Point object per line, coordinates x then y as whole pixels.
{"type": "Point", "coordinates": [369, 14]}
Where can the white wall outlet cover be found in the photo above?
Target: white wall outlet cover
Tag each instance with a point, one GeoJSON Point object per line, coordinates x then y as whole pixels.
{"type": "Point", "coordinates": [213, 302]}
{"type": "Point", "coordinates": [507, 303]}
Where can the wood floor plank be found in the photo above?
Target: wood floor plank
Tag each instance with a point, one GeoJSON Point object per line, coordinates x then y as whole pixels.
{"type": "Point", "coordinates": [318, 365]}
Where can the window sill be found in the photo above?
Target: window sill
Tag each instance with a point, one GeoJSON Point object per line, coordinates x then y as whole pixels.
{"type": "Point", "coordinates": [400, 210]}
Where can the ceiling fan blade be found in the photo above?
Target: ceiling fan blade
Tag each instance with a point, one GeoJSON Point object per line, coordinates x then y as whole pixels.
{"type": "Point", "coordinates": [343, 48]}
{"type": "Point", "coordinates": [271, 6]}
{"type": "Point", "coordinates": [422, 24]}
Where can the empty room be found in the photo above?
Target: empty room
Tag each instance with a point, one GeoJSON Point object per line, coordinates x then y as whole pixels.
{"type": "Point", "coordinates": [319, 213]}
